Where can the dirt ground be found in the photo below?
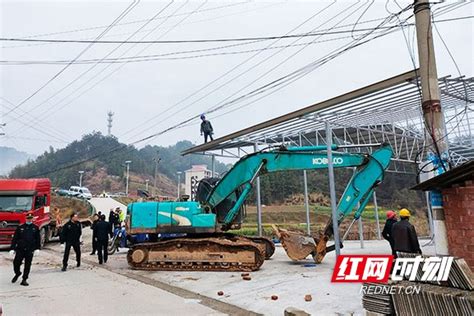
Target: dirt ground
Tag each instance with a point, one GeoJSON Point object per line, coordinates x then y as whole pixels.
{"type": "Point", "coordinates": [294, 216]}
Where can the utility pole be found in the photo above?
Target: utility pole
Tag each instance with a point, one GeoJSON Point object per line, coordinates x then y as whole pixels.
{"type": "Point", "coordinates": [435, 129]}
{"type": "Point", "coordinates": [80, 177]}
{"type": "Point", "coordinates": [146, 184]}
{"type": "Point", "coordinates": [157, 161]}
{"type": "Point", "coordinates": [179, 184]}
{"type": "Point", "coordinates": [127, 163]}
{"type": "Point", "coordinates": [110, 116]}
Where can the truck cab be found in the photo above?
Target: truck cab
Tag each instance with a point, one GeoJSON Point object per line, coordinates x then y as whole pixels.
{"type": "Point", "coordinates": [19, 197]}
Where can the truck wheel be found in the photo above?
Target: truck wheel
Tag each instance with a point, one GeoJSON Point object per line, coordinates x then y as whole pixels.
{"type": "Point", "coordinates": [113, 245]}
{"type": "Point", "coordinates": [42, 237]}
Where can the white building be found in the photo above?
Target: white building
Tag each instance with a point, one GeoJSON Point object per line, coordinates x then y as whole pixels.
{"type": "Point", "coordinates": [192, 178]}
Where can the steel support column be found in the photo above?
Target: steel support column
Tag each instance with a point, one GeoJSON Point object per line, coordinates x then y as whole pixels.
{"type": "Point", "coordinates": [376, 210]}
{"type": "Point", "coordinates": [213, 166]}
{"type": "Point", "coordinates": [361, 233]}
{"type": "Point", "coordinates": [332, 190]}
{"type": "Point", "coordinates": [306, 202]}
{"type": "Point", "coordinates": [259, 203]}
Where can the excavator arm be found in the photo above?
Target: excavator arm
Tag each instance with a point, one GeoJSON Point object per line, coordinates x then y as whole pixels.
{"type": "Point", "coordinates": [369, 172]}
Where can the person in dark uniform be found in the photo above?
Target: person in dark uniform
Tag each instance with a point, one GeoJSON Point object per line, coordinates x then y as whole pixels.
{"type": "Point", "coordinates": [25, 243]}
{"type": "Point", "coordinates": [404, 234]}
{"type": "Point", "coordinates": [113, 219]}
{"type": "Point", "coordinates": [387, 229]}
{"type": "Point", "coordinates": [206, 128]}
{"type": "Point", "coordinates": [102, 232]}
{"type": "Point", "coordinates": [71, 236]}
{"type": "Point", "coordinates": [96, 219]}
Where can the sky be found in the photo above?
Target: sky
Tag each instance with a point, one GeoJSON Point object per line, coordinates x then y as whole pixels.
{"type": "Point", "coordinates": [51, 104]}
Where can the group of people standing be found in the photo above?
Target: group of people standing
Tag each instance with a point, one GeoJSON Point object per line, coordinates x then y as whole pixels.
{"type": "Point", "coordinates": [102, 230]}
{"type": "Point", "coordinates": [26, 241]}
{"type": "Point", "coordinates": [401, 234]}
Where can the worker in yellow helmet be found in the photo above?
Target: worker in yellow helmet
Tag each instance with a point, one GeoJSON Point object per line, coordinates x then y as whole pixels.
{"type": "Point", "coordinates": [404, 235]}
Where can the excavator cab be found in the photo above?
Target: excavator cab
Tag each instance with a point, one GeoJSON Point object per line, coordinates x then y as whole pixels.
{"type": "Point", "coordinates": [205, 187]}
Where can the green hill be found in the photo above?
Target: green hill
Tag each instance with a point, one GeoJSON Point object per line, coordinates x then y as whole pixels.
{"type": "Point", "coordinates": [103, 157]}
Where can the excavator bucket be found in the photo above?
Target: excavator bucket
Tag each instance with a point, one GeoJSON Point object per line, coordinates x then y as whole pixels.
{"type": "Point", "coordinates": [296, 244]}
{"type": "Point", "coordinates": [321, 249]}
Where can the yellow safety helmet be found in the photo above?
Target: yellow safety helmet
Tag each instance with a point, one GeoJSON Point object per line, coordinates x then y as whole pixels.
{"type": "Point", "coordinates": [404, 212]}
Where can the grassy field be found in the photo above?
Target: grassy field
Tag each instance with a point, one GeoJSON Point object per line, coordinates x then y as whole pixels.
{"type": "Point", "coordinates": [294, 217]}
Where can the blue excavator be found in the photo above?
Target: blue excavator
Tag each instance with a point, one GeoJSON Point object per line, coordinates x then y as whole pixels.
{"type": "Point", "coordinates": [193, 235]}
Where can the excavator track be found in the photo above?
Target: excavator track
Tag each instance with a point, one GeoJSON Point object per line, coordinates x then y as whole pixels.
{"type": "Point", "coordinates": [269, 245]}
{"type": "Point", "coordinates": [197, 254]}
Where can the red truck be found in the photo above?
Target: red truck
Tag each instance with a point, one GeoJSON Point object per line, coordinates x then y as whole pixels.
{"type": "Point", "coordinates": [17, 198]}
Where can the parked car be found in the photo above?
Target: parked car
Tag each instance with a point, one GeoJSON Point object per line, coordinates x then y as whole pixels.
{"type": "Point", "coordinates": [80, 192]}
{"type": "Point", "coordinates": [63, 192]}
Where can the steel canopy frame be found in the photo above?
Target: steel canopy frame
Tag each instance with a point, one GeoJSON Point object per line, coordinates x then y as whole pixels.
{"type": "Point", "coordinates": [386, 111]}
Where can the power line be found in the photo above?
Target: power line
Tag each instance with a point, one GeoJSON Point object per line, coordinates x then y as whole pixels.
{"type": "Point", "coordinates": [166, 17]}
{"type": "Point", "coordinates": [82, 74]}
{"type": "Point", "coordinates": [241, 98]}
{"type": "Point", "coordinates": [40, 130]}
{"type": "Point", "coordinates": [201, 40]}
{"type": "Point", "coordinates": [121, 147]}
{"type": "Point", "coordinates": [120, 34]}
{"type": "Point", "coordinates": [93, 66]}
{"type": "Point", "coordinates": [59, 133]}
{"type": "Point", "coordinates": [36, 139]}
{"type": "Point", "coordinates": [173, 106]}
{"type": "Point", "coordinates": [120, 66]}
{"type": "Point", "coordinates": [213, 40]}
{"type": "Point", "coordinates": [296, 75]}
{"type": "Point", "coordinates": [158, 57]}
{"type": "Point", "coordinates": [117, 148]}
{"type": "Point", "coordinates": [150, 32]}
{"type": "Point", "coordinates": [183, 123]}
{"type": "Point", "coordinates": [120, 17]}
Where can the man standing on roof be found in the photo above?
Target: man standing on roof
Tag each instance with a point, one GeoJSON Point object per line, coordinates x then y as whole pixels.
{"type": "Point", "coordinates": [404, 234]}
{"type": "Point", "coordinates": [387, 230]}
{"type": "Point", "coordinates": [25, 243]}
{"type": "Point", "coordinates": [206, 128]}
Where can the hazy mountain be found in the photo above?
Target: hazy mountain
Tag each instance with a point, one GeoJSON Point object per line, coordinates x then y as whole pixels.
{"type": "Point", "coordinates": [10, 157]}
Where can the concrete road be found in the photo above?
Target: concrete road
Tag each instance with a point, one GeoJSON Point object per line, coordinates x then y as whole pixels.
{"type": "Point", "coordinates": [279, 276]}
{"type": "Point", "coordinates": [93, 288]}
{"type": "Point", "coordinates": [88, 290]}
{"type": "Point", "coordinates": [105, 204]}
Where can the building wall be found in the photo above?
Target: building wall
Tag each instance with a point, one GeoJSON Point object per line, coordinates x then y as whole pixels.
{"type": "Point", "coordinates": [458, 205]}
{"type": "Point", "coordinates": [192, 178]}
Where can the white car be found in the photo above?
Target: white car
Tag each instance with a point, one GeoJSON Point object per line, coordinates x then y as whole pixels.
{"type": "Point", "coordinates": [80, 192]}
